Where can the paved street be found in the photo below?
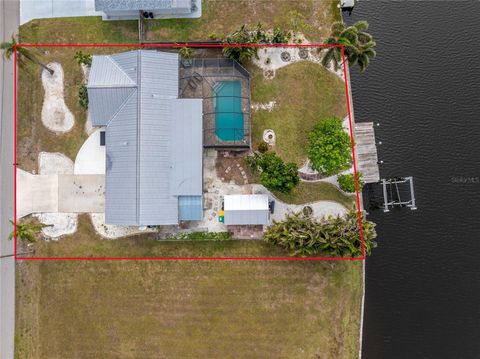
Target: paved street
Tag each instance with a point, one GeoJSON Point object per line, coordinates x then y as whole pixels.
{"type": "Point", "coordinates": [9, 20]}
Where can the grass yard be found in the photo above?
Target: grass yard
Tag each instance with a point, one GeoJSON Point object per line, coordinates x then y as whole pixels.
{"type": "Point", "coordinates": [219, 18]}
{"type": "Point", "coordinates": [316, 191]}
{"type": "Point", "coordinates": [185, 309]}
{"type": "Point", "coordinates": [304, 93]}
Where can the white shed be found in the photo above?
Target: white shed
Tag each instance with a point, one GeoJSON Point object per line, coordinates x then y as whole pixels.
{"type": "Point", "coordinates": [250, 209]}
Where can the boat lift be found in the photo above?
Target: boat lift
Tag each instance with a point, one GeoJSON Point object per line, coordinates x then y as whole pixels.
{"type": "Point", "coordinates": [391, 195]}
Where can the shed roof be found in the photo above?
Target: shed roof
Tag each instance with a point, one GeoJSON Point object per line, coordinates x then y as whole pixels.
{"type": "Point", "coordinates": [246, 209]}
{"type": "Point", "coordinates": [147, 129]}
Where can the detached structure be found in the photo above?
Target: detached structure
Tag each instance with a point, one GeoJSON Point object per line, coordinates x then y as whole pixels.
{"type": "Point", "coordinates": [132, 9]}
{"type": "Point", "coordinates": [153, 139]}
{"type": "Point", "coordinates": [251, 209]}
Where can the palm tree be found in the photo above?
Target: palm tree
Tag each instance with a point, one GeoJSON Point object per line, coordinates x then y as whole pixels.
{"type": "Point", "coordinates": [233, 48]}
{"type": "Point", "coordinates": [9, 49]}
{"type": "Point", "coordinates": [358, 45]}
{"type": "Point", "coordinates": [186, 52]}
{"type": "Point", "coordinates": [26, 231]}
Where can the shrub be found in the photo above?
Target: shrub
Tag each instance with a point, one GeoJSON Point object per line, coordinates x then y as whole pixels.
{"type": "Point", "coordinates": [262, 147]}
{"type": "Point", "coordinates": [333, 236]}
{"type": "Point", "coordinates": [241, 36]}
{"type": "Point", "coordinates": [280, 36]}
{"type": "Point", "coordinates": [201, 236]}
{"type": "Point", "coordinates": [347, 182]}
{"type": "Point", "coordinates": [329, 147]}
{"type": "Point", "coordinates": [83, 96]}
{"type": "Point", "coordinates": [83, 58]}
{"type": "Point", "coordinates": [186, 52]}
{"type": "Point", "coordinates": [277, 175]}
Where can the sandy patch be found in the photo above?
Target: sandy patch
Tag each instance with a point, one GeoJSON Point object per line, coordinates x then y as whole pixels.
{"type": "Point", "coordinates": [270, 58]}
{"type": "Point", "coordinates": [52, 163]}
{"type": "Point", "coordinates": [269, 106]}
{"type": "Point", "coordinates": [55, 114]}
{"type": "Point", "coordinates": [58, 224]}
{"type": "Point", "coordinates": [113, 231]}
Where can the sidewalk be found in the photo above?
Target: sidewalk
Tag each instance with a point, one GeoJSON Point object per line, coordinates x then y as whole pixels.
{"type": "Point", "coordinates": [9, 21]}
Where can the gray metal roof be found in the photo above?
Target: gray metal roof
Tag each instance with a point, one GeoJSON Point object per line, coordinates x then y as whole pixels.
{"type": "Point", "coordinates": [246, 209]}
{"type": "Point", "coordinates": [153, 140]}
{"type": "Point", "coordinates": [113, 5]}
{"type": "Point", "coordinates": [187, 147]}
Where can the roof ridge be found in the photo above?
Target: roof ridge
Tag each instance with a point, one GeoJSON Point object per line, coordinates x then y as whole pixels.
{"type": "Point", "coordinates": [121, 68]}
{"type": "Point", "coordinates": [122, 106]}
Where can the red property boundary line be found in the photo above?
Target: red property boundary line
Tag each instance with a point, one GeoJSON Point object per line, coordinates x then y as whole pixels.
{"type": "Point", "coordinates": [178, 45]}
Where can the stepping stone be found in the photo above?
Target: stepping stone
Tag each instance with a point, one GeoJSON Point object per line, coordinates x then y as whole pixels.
{"type": "Point", "coordinates": [238, 164]}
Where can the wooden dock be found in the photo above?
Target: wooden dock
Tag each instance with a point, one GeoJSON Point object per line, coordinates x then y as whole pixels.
{"type": "Point", "coordinates": [366, 151]}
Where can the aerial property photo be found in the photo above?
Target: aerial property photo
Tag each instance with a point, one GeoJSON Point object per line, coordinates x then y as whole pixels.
{"type": "Point", "coordinates": [190, 157]}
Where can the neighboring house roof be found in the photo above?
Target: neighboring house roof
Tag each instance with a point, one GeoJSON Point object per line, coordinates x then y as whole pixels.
{"type": "Point", "coordinates": [126, 5]}
{"type": "Point", "coordinates": [153, 139]}
{"type": "Point", "coordinates": [246, 209]}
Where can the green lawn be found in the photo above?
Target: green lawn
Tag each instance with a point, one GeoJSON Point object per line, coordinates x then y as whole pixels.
{"type": "Point", "coordinates": [219, 18]}
{"type": "Point", "coordinates": [185, 309]}
{"type": "Point", "coordinates": [304, 93]}
{"type": "Point", "coordinates": [316, 191]}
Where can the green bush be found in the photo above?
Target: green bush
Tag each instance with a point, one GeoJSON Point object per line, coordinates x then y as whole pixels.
{"type": "Point", "coordinates": [186, 52]}
{"type": "Point", "coordinates": [201, 236]}
{"type": "Point", "coordinates": [83, 58]}
{"type": "Point", "coordinates": [347, 182]}
{"type": "Point", "coordinates": [262, 147]}
{"type": "Point", "coordinates": [332, 236]}
{"type": "Point", "coordinates": [329, 147]}
{"type": "Point", "coordinates": [241, 36]}
{"type": "Point", "coordinates": [83, 96]}
{"type": "Point", "coordinates": [277, 175]}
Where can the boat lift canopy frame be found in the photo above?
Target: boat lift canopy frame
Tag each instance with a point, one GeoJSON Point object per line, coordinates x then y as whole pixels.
{"type": "Point", "coordinates": [389, 201]}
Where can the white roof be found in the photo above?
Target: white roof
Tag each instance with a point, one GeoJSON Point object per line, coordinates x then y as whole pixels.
{"type": "Point", "coordinates": [246, 202]}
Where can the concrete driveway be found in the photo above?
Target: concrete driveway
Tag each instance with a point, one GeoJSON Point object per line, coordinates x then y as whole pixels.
{"type": "Point", "coordinates": [42, 9]}
{"type": "Point", "coordinates": [59, 193]}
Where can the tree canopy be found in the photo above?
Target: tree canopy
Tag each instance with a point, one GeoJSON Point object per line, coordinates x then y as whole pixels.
{"type": "Point", "coordinates": [329, 147]}
{"type": "Point", "coordinates": [358, 44]}
{"type": "Point", "coordinates": [276, 175]}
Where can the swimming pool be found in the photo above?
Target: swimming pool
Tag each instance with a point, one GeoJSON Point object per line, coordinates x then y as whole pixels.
{"type": "Point", "coordinates": [229, 125]}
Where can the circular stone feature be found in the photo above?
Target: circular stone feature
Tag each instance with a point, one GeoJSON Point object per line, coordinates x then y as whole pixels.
{"type": "Point", "coordinates": [269, 136]}
{"type": "Point", "coordinates": [307, 211]}
{"type": "Point", "coordinates": [285, 56]}
{"type": "Point", "coordinates": [303, 54]}
{"type": "Point", "coordinates": [269, 74]}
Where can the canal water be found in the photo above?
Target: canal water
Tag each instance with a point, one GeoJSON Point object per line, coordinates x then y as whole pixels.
{"type": "Point", "coordinates": [423, 281]}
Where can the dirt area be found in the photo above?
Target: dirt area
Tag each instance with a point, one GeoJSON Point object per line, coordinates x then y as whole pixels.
{"type": "Point", "coordinates": [232, 168]}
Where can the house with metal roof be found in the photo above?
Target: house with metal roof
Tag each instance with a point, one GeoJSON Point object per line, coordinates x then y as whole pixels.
{"type": "Point", "coordinates": [132, 9]}
{"type": "Point", "coordinates": [153, 138]}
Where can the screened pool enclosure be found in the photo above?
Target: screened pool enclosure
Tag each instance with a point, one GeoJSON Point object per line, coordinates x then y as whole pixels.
{"type": "Point", "coordinates": [224, 86]}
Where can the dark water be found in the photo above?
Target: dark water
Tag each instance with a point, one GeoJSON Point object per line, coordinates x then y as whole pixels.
{"type": "Point", "coordinates": [423, 282]}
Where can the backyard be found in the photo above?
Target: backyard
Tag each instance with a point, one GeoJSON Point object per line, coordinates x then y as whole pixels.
{"type": "Point", "coordinates": [184, 309]}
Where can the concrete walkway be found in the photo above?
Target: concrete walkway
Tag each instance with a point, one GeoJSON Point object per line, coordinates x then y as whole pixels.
{"type": "Point", "coordinates": [62, 193]}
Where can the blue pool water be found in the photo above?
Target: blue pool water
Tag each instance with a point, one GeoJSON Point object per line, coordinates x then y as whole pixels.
{"type": "Point", "coordinates": [229, 125]}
